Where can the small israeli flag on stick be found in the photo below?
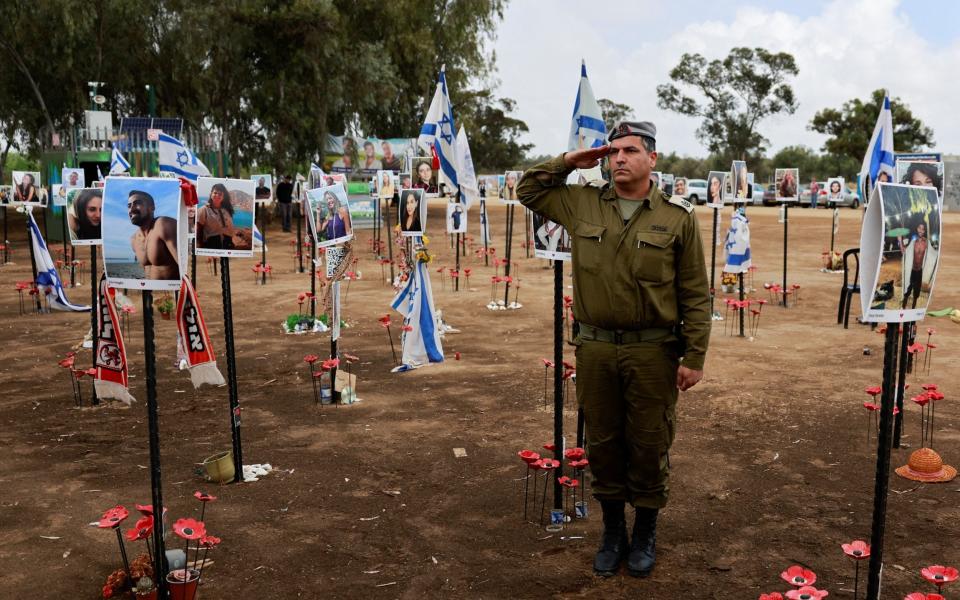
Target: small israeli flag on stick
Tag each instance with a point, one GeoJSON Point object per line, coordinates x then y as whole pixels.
{"type": "Point", "coordinates": [879, 158]}
{"type": "Point", "coordinates": [439, 132]}
{"type": "Point", "coordinates": [176, 158]}
{"type": "Point", "coordinates": [118, 164]}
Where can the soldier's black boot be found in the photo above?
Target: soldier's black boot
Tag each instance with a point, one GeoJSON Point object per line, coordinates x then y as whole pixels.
{"type": "Point", "coordinates": [614, 544]}
{"type": "Point", "coordinates": [643, 546]}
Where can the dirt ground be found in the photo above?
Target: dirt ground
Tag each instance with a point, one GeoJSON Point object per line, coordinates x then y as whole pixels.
{"type": "Point", "coordinates": [770, 467]}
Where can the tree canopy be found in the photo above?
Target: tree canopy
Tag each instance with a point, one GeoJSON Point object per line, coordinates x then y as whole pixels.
{"type": "Point", "coordinates": [613, 112]}
{"type": "Point", "coordinates": [737, 93]}
{"type": "Point", "coordinates": [269, 77]}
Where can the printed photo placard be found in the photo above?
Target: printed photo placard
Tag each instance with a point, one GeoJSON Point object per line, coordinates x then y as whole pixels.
{"type": "Point", "coordinates": [786, 185]}
{"type": "Point", "coordinates": [715, 187]}
{"type": "Point", "coordinates": [263, 192]}
{"type": "Point", "coordinates": [921, 173]}
{"type": "Point", "coordinates": [84, 213]}
{"type": "Point", "coordinates": [424, 176]}
{"type": "Point", "coordinates": [142, 234]}
{"type": "Point", "coordinates": [550, 240]}
{"type": "Point", "coordinates": [385, 185]}
{"type": "Point", "coordinates": [223, 222]}
{"type": "Point", "coordinates": [456, 218]}
{"type": "Point", "coordinates": [508, 190]}
{"type": "Point", "coordinates": [26, 188]}
{"type": "Point", "coordinates": [412, 212]}
{"type": "Point", "coordinates": [900, 247]}
{"type": "Point", "coordinates": [329, 209]}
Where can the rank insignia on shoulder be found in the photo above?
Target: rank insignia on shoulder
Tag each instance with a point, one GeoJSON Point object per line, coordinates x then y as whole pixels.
{"type": "Point", "coordinates": [679, 201]}
{"type": "Point", "coordinates": [658, 228]}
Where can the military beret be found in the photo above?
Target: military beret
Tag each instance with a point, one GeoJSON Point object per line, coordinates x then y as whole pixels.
{"type": "Point", "coordinates": [642, 128]}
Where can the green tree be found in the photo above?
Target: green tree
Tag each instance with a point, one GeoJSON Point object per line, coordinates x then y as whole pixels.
{"type": "Point", "coordinates": [613, 112]}
{"type": "Point", "coordinates": [737, 92]}
{"type": "Point", "coordinates": [851, 126]}
{"type": "Point", "coordinates": [800, 157]}
{"type": "Point", "coordinates": [493, 133]}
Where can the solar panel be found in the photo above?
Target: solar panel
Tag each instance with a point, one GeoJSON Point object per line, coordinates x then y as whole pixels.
{"type": "Point", "coordinates": [133, 131]}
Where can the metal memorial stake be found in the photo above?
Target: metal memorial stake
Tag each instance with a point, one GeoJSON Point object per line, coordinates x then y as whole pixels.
{"type": "Point", "coordinates": [94, 311]}
{"type": "Point", "coordinates": [231, 368]}
{"type": "Point", "coordinates": [506, 266]}
{"type": "Point", "coordinates": [156, 491]}
{"type": "Point", "coordinates": [786, 220]}
{"type": "Point", "coordinates": [557, 381]}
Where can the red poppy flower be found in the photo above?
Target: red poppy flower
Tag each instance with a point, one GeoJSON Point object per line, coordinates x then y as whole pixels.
{"type": "Point", "coordinates": [467, 272]}
{"type": "Point", "coordinates": [92, 372]}
{"type": "Point", "coordinates": [550, 447]}
{"type": "Point", "coordinates": [456, 356]}
{"type": "Point", "coordinates": [928, 386]}
{"type": "Point", "coordinates": [549, 463]}
{"type": "Point", "coordinates": [189, 529]}
{"type": "Point", "coordinates": [141, 530]}
{"type": "Point", "coordinates": [528, 456]}
{"type": "Point", "coordinates": [797, 576]}
{"type": "Point", "coordinates": [922, 596]}
{"type": "Point", "coordinates": [547, 363]}
{"type": "Point", "coordinates": [209, 541]}
{"type": "Point", "coordinates": [807, 592]}
{"type": "Point", "coordinates": [873, 390]}
{"type": "Point", "coordinates": [330, 363]}
{"type": "Point", "coordinates": [113, 517]}
{"type": "Point", "coordinates": [350, 357]}
{"type": "Point", "coordinates": [771, 596]}
{"type": "Point", "coordinates": [385, 320]}
{"type": "Point", "coordinates": [107, 591]}
{"type": "Point", "coordinates": [563, 480]}
{"type": "Point", "coordinates": [921, 399]}
{"type": "Point", "coordinates": [569, 373]}
{"type": "Point", "coordinates": [567, 365]}
{"type": "Point", "coordinates": [311, 358]}
{"type": "Point", "coordinates": [301, 297]}
{"type": "Point", "coordinates": [939, 575]}
{"type": "Point", "coordinates": [931, 346]}
{"type": "Point", "coordinates": [204, 497]}
{"type": "Point", "coordinates": [79, 373]}
{"type": "Point", "coordinates": [935, 395]}
{"type": "Point", "coordinates": [574, 453]}
{"type": "Point", "coordinates": [507, 279]}
{"type": "Point", "coordinates": [454, 273]}
{"type": "Point", "coordinates": [318, 374]}
{"type": "Point", "coordinates": [579, 464]}
{"type": "Point", "coordinates": [22, 285]}
{"type": "Point", "coordinates": [896, 411]}
{"type": "Point", "coordinates": [857, 549]}
{"type": "Point", "coordinates": [915, 348]}
{"type": "Point", "coordinates": [569, 483]}
{"type": "Point", "coordinates": [67, 362]}
{"type": "Point", "coordinates": [567, 301]}
{"type": "Point", "coordinates": [871, 406]}
{"type": "Point", "coordinates": [407, 328]}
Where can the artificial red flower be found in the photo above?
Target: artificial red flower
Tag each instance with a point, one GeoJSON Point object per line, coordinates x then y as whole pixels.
{"type": "Point", "coordinates": [569, 483]}
{"type": "Point", "coordinates": [567, 301]}
{"type": "Point", "coordinates": [467, 272]}
{"type": "Point", "coordinates": [79, 373]}
{"type": "Point", "coordinates": [939, 575]}
{"type": "Point", "coordinates": [350, 357]}
{"type": "Point", "coordinates": [921, 399]}
{"type": "Point", "coordinates": [550, 447]}
{"type": "Point", "coordinates": [807, 592]}
{"type": "Point", "coordinates": [857, 549]}
{"type": "Point", "coordinates": [798, 577]}
{"type": "Point", "coordinates": [92, 371]}
{"type": "Point", "coordinates": [209, 541]}
{"type": "Point", "coordinates": [507, 279]}
{"type": "Point", "coordinates": [563, 480]}
{"type": "Point", "coordinates": [567, 365]}
{"type": "Point", "coordinates": [107, 591]}
{"type": "Point", "coordinates": [384, 321]}
{"type": "Point", "coordinates": [549, 463]}
{"type": "Point", "coordinates": [311, 358]}
{"type": "Point", "coordinates": [407, 328]}
{"type": "Point", "coordinates": [579, 464]}
{"type": "Point", "coordinates": [113, 517]}
{"type": "Point", "coordinates": [569, 373]}
{"type": "Point", "coordinates": [67, 362]}
{"type": "Point", "coordinates": [528, 456]}
{"type": "Point", "coordinates": [330, 363]}
{"type": "Point", "coordinates": [771, 595]}
{"type": "Point", "coordinates": [301, 297]}
{"type": "Point", "coordinates": [547, 363]}
{"type": "Point", "coordinates": [574, 453]}
{"type": "Point", "coordinates": [456, 356]}
{"type": "Point", "coordinates": [204, 497]}
{"type": "Point", "coordinates": [922, 596]}
{"type": "Point", "coordinates": [189, 529]}
{"type": "Point", "coordinates": [915, 348]}
{"type": "Point", "coordinates": [141, 530]}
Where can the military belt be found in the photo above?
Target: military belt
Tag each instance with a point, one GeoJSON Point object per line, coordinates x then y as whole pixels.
{"type": "Point", "coordinates": [590, 333]}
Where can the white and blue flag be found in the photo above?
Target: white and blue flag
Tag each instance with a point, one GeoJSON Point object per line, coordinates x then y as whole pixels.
{"type": "Point", "coordinates": [257, 238]}
{"type": "Point", "coordinates": [438, 131]}
{"type": "Point", "coordinates": [879, 158]}
{"type": "Point", "coordinates": [415, 302]}
{"type": "Point", "coordinates": [469, 188]}
{"type": "Point", "coordinates": [118, 164]}
{"type": "Point", "coordinates": [737, 246]}
{"type": "Point", "coordinates": [587, 129]}
{"type": "Point", "coordinates": [176, 158]}
{"type": "Point", "coordinates": [48, 281]}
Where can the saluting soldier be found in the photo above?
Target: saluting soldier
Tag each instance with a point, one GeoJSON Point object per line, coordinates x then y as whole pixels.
{"type": "Point", "coordinates": [642, 305]}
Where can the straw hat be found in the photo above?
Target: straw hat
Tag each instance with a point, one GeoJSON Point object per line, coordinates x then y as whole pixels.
{"type": "Point", "coordinates": [926, 465]}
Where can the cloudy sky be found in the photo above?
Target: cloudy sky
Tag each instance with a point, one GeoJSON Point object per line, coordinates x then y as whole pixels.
{"type": "Point", "coordinates": [844, 49]}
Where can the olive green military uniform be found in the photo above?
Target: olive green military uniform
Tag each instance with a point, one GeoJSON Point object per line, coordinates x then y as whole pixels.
{"type": "Point", "coordinates": [641, 299]}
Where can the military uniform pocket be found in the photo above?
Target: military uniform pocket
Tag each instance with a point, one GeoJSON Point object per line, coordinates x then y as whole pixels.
{"type": "Point", "coordinates": [653, 258]}
{"type": "Point", "coordinates": [588, 245]}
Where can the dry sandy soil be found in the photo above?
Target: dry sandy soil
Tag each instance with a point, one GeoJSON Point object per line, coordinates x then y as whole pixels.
{"type": "Point", "coordinates": [771, 464]}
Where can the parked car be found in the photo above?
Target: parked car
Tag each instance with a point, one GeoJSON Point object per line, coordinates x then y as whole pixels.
{"type": "Point", "coordinates": [770, 195]}
{"type": "Point", "coordinates": [758, 193]}
{"type": "Point", "coordinates": [696, 191]}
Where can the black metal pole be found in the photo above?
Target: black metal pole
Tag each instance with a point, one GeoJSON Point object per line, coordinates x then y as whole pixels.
{"type": "Point", "coordinates": [526, 231]}
{"type": "Point", "coordinates": [63, 232]}
{"type": "Point", "coordinates": [6, 242]}
{"type": "Point", "coordinates": [558, 380]}
{"type": "Point", "coordinates": [786, 208]}
{"type": "Point", "coordinates": [882, 480]}
{"type": "Point", "coordinates": [94, 314]}
{"type": "Point", "coordinates": [334, 353]}
{"type": "Point", "coordinates": [740, 284]}
{"type": "Point", "coordinates": [192, 245]}
{"type": "Point", "coordinates": [713, 261]}
{"type": "Point", "coordinates": [485, 231]}
{"type": "Point", "coordinates": [901, 380]}
{"type": "Point", "coordinates": [833, 233]}
{"type": "Point", "coordinates": [390, 240]}
{"type": "Point", "coordinates": [153, 424]}
{"type": "Point", "coordinates": [300, 235]}
{"type": "Point", "coordinates": [456, 280]}
{"type": "Point", "coordinates": [33, 262]}
{"type": "Point", "coordinates": [231, 368]}
{"type": "Point", "coordinates": [313, 277]}
{"type": "Point", "coordinates": [263, 244]}
{"type": "Point", "coordinates": [506, 266]}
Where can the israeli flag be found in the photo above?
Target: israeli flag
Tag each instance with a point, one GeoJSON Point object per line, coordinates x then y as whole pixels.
{"type": "Point", "coordinates": [587, 129]}
{"type": "Point", "coordinates": [737, 246]}
{"type": "Point", "coordinates": [469, 188]}
{"type": "Point", "coordinates": [879, 158]}
{"type": "Point", "coordinates": [257, 238]}
{"type": "Point", "coordinates": [118, 164]}
{"type": "Point", "coordinates": [48, 282]}
{"type": "Point", "coordinates": [176, 158]}
{"type": "Point", "coordinates": [438, 131]}
{"type": "Point", "coordinates": [415, 303]}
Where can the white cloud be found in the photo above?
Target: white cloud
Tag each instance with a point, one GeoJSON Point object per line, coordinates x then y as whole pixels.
{"type": "Point", "coordinates": [843, 49]}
